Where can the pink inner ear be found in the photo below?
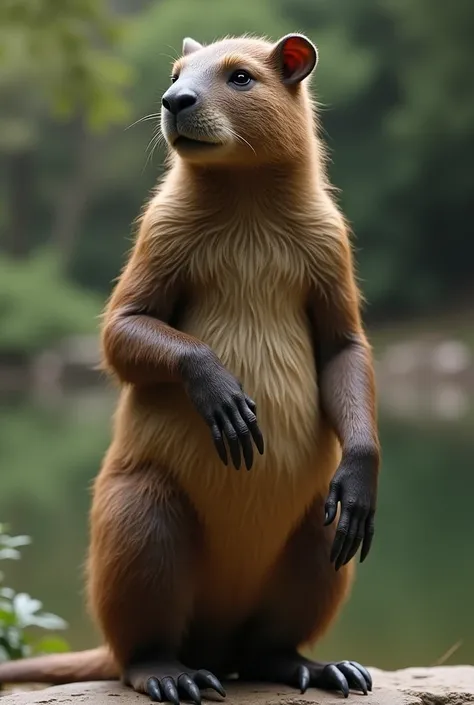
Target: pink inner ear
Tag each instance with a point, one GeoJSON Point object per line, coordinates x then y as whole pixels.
{"type": "Point", "coordinates": [296, 55]}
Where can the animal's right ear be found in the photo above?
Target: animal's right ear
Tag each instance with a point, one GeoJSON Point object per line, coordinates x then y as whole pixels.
{"type": "Point", "coordinates": [190, 46]}
{"type": "Point", "coordinates": [295, 57]}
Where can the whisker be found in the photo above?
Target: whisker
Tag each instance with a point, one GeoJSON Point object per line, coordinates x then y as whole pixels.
{"type": "Point", "coordinates": [152, 116]}
{"type": "Point", "coordinates": [174, 50]}
{"type": "Point", "coordinates": [242, 139]}
{"type": "Point", "coordinates": [157, 137]}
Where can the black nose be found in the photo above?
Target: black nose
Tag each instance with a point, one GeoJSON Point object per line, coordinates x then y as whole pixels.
{"type": "Point", "coordinates": [176, 101]}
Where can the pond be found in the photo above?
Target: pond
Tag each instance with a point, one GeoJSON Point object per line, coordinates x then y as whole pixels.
{"type": "Point", "coordinates": [412, 599]}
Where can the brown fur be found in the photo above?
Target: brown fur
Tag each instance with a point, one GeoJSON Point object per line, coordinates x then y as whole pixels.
{"type": "Point", "coordinates": [246, 257]}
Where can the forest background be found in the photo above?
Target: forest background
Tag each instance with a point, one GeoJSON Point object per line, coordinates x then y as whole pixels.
{"type": "Point", "coordinates": [394, 84]}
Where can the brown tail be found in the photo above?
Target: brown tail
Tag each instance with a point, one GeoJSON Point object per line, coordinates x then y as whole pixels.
{"type": "Point", "coordinates": [55, 669]}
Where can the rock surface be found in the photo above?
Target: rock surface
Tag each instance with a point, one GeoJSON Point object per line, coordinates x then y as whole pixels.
{"type": "Point", "coordinates": [445, 685]}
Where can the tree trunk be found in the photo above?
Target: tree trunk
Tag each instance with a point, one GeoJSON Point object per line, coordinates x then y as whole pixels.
{"type": "Point", "coordinates": [20, 186]}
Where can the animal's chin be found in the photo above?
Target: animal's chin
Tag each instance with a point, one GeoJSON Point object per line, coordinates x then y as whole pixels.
{"type": "Point", "coordinates": [186, 144]}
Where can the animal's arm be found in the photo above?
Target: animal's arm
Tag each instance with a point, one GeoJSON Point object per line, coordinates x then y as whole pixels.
{"type": "Point", "coordinates": [348, 400]}
{"type": "Point", "coordinates": [138, 343]}
{"type": "Point", "coordinates": [141, 347]}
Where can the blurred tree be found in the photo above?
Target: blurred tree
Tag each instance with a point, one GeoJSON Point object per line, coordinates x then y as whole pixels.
{"type": "Point", "coordinates": [401, 135]}
{"type": "Point", "coordinates": [395, 105]}
{"type": "Point", "coordinates": [55, 61]}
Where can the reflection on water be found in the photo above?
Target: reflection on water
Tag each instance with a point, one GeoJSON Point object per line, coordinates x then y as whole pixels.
{"type": "Point", "coordinates": [412, 599]}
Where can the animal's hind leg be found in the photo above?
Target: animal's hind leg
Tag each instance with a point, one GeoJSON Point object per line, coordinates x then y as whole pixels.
{"type": "Point", "coordinates": [302, 598]}
{"type": "Point", "coordinates": [145, 544]}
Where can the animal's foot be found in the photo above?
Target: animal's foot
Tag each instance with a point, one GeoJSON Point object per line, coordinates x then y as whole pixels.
{"type": "Point", "coordinates": [294, 670]}
{"type": "Point", "coordinates": [170, 681]}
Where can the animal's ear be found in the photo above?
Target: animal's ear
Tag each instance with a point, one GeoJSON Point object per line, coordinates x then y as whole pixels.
{"type": "Point", "coordinates": [295, 57]}
{"type": "Point", "coordinates": [190, 45]}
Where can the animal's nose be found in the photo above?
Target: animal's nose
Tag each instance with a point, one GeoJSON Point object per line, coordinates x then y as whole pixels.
{"type": "Point", "coordinates": [176, 101]}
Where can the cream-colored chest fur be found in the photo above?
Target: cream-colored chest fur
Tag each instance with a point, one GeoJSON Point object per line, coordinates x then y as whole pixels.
{"type": "Point", "coordinates": [249, 292]}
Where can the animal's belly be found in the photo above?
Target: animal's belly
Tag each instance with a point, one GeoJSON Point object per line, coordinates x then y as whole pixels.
{"type": "Point", "coordinates": [247, 516]}
{"type": "Point", "coordinates": [274, 360]}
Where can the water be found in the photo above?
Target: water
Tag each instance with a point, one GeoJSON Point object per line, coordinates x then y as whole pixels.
{"type": "Point", "coordinates": [412, 599]}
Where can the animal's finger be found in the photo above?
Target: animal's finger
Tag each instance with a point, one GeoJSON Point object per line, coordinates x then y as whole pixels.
{"type": "Point", "coordinates": [206, 679]}
{"type": "Point", "coordinates": [303, 677]}
{"type": "Point", "coordinates": [232, 440]}
{"type": "Point", "coordinates": [243, 433]}
{"type": "Point", "coordinates": [335, 676]}
{"type": "Point", "coordinates": [356, 542]}
{"type": "Point", "coordinates": [330, 506]}
{"type": "Point", "coordinates": [354, 678]}
{"type": "Point", "coordinates": [153, 690]}
{"type": "Point", "coordinates": [349, 542]}
{"type": "Point", "coordinates": [251, 420]}
{"type": "Point", "coordinates": [219, 442]}
{"type": "Point", "coordinates": [368, 536]}
{"type": "Point", "coordinates": [365, 673]}
{"type": "Point", "coordinates": [169, 690]}
{"type": "Point", "coordinates": [341, 535]}
{"type": "Point", "coordinates": [189, 688]}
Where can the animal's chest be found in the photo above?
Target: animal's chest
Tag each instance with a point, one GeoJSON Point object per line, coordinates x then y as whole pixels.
{"type": "Point", "coordinates": [248, 303]}
{"type": "Point", "coordinates": [248, 294]}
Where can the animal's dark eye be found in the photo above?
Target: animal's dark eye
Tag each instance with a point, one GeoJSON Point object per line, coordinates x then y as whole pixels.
{"type": "Point", "coordinates": [174, 78]}
{"type": "Point", "coordinates": [241, 78]}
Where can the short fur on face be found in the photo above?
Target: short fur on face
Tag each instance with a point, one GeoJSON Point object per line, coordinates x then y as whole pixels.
{"type": "Point", "coordinates": [243, 123]}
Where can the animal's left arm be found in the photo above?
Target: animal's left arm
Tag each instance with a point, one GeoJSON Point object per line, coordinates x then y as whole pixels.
{"type": "Point", "coordinates": [348, 400]}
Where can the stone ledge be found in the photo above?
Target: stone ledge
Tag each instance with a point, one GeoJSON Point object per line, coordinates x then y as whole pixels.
{"type": "Point", "coordinates": [445, 685]}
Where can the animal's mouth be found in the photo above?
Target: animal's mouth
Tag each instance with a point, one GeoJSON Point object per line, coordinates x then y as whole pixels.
{"type": "Point", "coordinates": [182, 142]}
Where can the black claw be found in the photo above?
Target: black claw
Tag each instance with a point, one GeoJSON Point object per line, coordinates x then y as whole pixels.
{"type": "Point", "coordinates": [250, 402]}
{"type": "Point", "coordinates": [169, 690]}
{"type": "Point", "coordinates": [235, 452]}
{"type": "Point", "coordinates": [355, 548]}
{"type": "Point", "coordinates": [257, 437]}
{"type": "Point", "coordinates": [248, 452]}
{"type": "Point", "coordinates": [303, 678]}
{"type": "Point", "coordinates": [247, 410]}
{"type": "Point", "coordinates": [189, 688]}
{"type": "Point", "coordinates": [259, 442]}
{"type": "Point", "coordinates": [368, 537]}
{"type": "Point", "coordinates": [153, 690]}
{"type": "Point", "coordinates": [205, 679]}
{"type": "Point", "coordinates": [354, 677]}
{"type": "Point", "coordinates": [219, 444]}
{"type": "Point", "coordinates": [365, 673]}
{"type": "Point", "coordinates": [337, 678]}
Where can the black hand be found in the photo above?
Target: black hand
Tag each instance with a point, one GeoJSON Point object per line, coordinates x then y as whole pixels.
{"type": "Point", "coordinates": [225, 407]}
{"type": "Point", "coordinates": [355, 486]}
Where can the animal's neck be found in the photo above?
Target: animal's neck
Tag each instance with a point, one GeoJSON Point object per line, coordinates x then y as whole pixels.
{"type": "Point", "coordinates": [270, 187]}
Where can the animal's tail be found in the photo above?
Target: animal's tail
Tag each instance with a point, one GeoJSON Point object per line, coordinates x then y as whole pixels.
{"type": "Point", "coordinates": [55, 669]}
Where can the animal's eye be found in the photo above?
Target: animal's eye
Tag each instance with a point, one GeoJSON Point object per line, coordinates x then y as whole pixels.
{"type": "Point", "coordinates": [174, 78]}
{"type": "Point", "coordinates": [241, 78]}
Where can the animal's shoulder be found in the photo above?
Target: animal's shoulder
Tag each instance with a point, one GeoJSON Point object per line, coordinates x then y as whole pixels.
{"type": "Point", "coordinates": [210, 245]}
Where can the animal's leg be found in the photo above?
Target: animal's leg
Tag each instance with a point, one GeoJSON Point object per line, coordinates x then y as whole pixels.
{"type": "Point", "coordinates": [145, 544]}
{"type": "Point", "coordinates": [301, 600]}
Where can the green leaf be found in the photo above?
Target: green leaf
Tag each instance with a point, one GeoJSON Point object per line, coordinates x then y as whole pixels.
{"type": "Point", "coordinates": [50, 645]}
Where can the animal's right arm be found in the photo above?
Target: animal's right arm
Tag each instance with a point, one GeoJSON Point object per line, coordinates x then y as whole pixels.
{"type": "Point", "coordinates": [141, 347]}
{"type": "Point", "coordinates": [138, 343]}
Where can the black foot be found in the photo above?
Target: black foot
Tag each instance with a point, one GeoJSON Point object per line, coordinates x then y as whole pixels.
{"type": "Point", "coordinates": [295, 670]}
{"type": "Point", "coordinates": [171, 682]}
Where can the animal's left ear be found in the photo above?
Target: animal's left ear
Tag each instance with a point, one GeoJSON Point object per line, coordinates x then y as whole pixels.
{"type": "Point", "coordinates": [190, 46]}
{"type": "Point", "coordinates": [295, 56]}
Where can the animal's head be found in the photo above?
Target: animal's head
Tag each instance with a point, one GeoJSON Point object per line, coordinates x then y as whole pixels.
{"type": "Point", "coordinates": [240, 100]}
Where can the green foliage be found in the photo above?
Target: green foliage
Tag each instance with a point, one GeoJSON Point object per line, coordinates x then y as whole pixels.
{"type": "Point", "coordinates": [60, 57]}
{"type": "Point", "coordinates": [39, 306]}
{"type": "Point", "coordinates": [19, 612]}
{"type": "Point", "coordinates": [396, 109]}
